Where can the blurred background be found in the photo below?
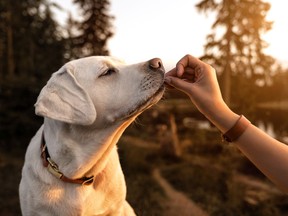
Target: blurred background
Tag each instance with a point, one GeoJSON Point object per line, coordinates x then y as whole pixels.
{"type": "Point", "coordinates": [173, 159]}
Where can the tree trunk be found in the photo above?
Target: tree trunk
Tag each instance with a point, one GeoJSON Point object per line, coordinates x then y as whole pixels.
{"type": "Point", "coordinates": [227, 68]}
{"type": "Point", "coordinates": [1, 58]}
{"type": "Point", "coordinates": [227, 83]}
{"type": "Point", "coordinates": [10, 52]}
{"type": "Point", "coordinates": [174, 134]}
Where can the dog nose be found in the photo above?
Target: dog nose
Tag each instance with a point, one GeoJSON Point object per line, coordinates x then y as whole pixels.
{"type": "Point", "coordinates": [155, 64]}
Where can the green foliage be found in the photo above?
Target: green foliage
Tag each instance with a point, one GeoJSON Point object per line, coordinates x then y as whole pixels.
{"type": "Point", "coordinates": [32, 47]}
{"type": "Point", "coordinates": [32, 43]}
{"type": "Point", "coordinates": [94, 30]}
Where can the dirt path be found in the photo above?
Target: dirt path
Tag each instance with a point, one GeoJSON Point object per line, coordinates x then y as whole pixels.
{"type": "Point", "coordinates": [178, 203]}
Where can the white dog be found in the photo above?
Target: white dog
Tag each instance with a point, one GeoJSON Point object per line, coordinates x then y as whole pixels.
{"type": "Point", "coordinates": [71, 164]}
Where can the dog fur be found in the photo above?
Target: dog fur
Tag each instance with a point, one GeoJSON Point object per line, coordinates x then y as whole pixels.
{"type": "Point", "coordinates": [87, 104]}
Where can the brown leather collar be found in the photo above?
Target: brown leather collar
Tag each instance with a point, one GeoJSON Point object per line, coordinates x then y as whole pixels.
{"type": "Point", "coordinates": [52, 167]}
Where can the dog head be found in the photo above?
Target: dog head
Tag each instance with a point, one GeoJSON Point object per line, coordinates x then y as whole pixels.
{"type": "Point", "coordinates": [101, 90]}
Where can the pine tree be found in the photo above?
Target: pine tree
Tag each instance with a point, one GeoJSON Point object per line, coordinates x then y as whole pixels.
{"type": "Point", "coordinates": [48, 42]}
{"type": "Point", "coordinates": [7, 40]}
{"type": "Point", "coordinates": [2, 38]}
{"type": "Point", "coordinates": [239, 49]}
{"type": "Point", "coordinates": [30, 50]}
{"type": "Point", "coordinates": [30, 43]}
{"type": "Point", "coordinates": [95, 29]}
{"type": "Point", "coordinates": [71, 52]}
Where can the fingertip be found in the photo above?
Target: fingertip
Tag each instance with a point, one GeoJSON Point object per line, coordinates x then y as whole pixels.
{"type": "Point", "coordinates": [179, 69]}
{"type": "Point", "coordinates": [167, 79]}
{"type": "Point", "coordinates": [168, 82]}
{"type": "Point", "coordinates": [172, 72]}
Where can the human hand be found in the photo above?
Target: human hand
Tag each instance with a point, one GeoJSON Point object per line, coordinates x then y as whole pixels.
{"type": "Point", "coordinates": [198, 80]}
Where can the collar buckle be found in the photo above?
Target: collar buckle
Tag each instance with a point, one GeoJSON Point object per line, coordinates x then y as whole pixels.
{"type": "Point", "coordinates": [53, 168]}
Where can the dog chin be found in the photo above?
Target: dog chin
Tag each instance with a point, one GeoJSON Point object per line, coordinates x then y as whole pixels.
{"type": "Point", "coordinates": [142, 106]}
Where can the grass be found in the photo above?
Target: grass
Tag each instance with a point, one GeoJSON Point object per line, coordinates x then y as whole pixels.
{"type": "Point", "coordinates": [10, 174]}
{"type": "Point", "coordinates": [216, 192]}
{"type": "Point", "coordinates": [143, 193]}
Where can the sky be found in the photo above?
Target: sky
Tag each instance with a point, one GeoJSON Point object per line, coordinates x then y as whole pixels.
{"type": "Point", "coordinates": [170, 29]}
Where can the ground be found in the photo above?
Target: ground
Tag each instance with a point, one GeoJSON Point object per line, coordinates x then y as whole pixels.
{"type": "Point", "coordinates": [178, 203]}
{"type": "Point", "coordinates": [209, 178]}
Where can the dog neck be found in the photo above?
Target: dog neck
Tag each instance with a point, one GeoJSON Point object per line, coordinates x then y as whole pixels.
{"type": "Point", "coordinates": [82, 151]}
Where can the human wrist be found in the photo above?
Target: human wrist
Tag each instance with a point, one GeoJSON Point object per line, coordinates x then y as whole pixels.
{"type": "Point", "coordinates": [222, 116]}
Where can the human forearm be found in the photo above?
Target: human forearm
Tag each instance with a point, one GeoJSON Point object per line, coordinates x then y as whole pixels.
{"type": "Point", "coordinates": [269, 155]}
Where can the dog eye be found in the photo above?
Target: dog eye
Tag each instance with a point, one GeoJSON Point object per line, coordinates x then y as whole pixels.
{"type": "Point", "coordinates": [109, 72]}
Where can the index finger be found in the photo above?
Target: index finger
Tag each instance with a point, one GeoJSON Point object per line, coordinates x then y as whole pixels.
{"type": "Point", "coordinates": [186, 61]}
{"type": "Point", "coordinates": [172, 72]}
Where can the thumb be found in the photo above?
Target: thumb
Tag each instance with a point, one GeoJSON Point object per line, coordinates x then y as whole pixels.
{"type": "Point", "coordinates": [179, 84]}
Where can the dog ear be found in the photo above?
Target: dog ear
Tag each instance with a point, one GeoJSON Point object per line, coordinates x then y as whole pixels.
{"type": "Point", "coordinates": [65, 100]}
